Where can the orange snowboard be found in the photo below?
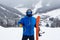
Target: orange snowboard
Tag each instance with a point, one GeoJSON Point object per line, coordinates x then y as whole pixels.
{"type": "Point", "coordinates": [37, 27]}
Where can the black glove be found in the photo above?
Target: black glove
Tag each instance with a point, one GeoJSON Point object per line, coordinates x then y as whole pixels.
{"type": "Point", "coordinates": [40, 35]}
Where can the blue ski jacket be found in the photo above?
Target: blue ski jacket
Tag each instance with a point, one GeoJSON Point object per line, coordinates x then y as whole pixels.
{"type": "Point", "coordinates": [28, 25]}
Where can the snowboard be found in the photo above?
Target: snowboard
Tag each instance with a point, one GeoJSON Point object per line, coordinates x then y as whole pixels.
{"type": "Point", "coordinates": [37, 27]}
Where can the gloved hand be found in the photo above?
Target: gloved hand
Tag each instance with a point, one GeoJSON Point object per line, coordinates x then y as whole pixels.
{"type": "Point", "coordinates": [40, 35]}
{"type": "Point", "coordinates": [20, 25]}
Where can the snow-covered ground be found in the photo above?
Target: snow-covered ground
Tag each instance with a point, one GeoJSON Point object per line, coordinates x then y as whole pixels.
{"type": "Point", "coordinates": [50, 34]}
{"type": "Point", "coordinates": [16, 33]}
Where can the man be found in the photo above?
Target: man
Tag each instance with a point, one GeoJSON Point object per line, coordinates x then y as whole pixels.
{"type": "Point", "coordinates": [28, 23]}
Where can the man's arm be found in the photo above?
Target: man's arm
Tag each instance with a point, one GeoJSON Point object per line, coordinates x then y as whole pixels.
{"type": "Point", "coordinates": [38, 27]}
{"type": "Point", "coordinates": [20, 23]}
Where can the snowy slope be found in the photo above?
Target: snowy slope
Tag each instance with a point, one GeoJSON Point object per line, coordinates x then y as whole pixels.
{"type": "Point", "coordinates": [16, 33]}
{"type": "Point", "coordinates": [54, 13]}
{"type": "Point", "coordinates": [22, 10]}
{"type": "Point", "coordinates": [50, 34]}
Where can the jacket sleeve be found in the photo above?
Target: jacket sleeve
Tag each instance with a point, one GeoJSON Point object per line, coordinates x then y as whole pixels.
{"type": "Point", "coordinates": [20, 22]}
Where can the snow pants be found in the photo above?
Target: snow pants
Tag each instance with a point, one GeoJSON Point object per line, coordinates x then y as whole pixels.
{"type": "Point", "coordinates": [28, 37]}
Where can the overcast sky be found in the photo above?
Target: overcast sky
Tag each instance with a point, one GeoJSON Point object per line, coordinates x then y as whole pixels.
{"type": "Point", "coordinates": [14, 3]}
{"type": "Point", "coordinates": [28, 3]}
